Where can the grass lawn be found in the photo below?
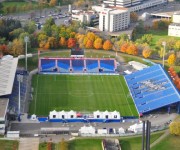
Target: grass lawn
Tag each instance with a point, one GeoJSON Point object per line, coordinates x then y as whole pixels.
{"type": "Point", "coordinates": [170, 142]}
{"type": "Point", "coordinates": [8, 145]}
{"type": "Point", "coordinates": [134, 143]}
{"type": "Point", "coordinates": [85, 93]}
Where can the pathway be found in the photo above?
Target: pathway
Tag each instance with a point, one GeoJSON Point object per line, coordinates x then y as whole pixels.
{"type": "Point", "coordinates": [29, 144]}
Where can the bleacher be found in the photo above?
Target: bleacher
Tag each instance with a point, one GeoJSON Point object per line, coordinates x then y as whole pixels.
{"type": "Point", "coordinates": [47, 64]}
{"type": "Point", "coordinates": [77, 65]}
{"type": "Point", "coordinates": [107, 65]}
{"type": "Point", "coordinates": [151, 88]}
{"type": "Point", "coordinates": [92, 65]}
{"type": "Point", "coordinates": [63, 65]}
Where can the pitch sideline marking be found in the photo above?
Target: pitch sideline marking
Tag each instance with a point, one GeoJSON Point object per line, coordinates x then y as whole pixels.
{"type": "Point", "coordinates": [125, 96]}
{"type": "Point", "coordinates": [36, 93]}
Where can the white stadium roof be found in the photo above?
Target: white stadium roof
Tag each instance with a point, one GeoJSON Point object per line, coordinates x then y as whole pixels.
{"type": "Point", "coordinates": [8, 66]}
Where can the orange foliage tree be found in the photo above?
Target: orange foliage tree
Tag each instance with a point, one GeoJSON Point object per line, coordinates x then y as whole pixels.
{"type": "Point", "coordinates": [89, 44]}
{"type": "Point", "coordinates": [171, 59]}
{"type": "Point", "coordinates": [98, 43]}
{"type": "Point", "coordinates": [146, 52]}
{"type": "Point", "coordinates": [124, 47]}
{"type": "Point", "coordinates": [71, 42]}
{"type": "Point", "coordinates": [107, 45]}
{"type": "Point", "coordinates": [132, 49]}
{"type": "Point", "coordinates": [62, 42]}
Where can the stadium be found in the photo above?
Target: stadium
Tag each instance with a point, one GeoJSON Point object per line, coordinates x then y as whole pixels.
{"type": "Point", "coordinates": [92, 90]}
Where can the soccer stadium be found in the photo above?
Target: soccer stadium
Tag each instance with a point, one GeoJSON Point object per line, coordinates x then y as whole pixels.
{"type": "Point", "coordinates": [90, 85]}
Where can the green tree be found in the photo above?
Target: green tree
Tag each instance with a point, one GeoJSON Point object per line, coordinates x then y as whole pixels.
{"type": "Point", "coordinates": [30, 27]}
{"type": "Point", "coordinates": [63, 145]}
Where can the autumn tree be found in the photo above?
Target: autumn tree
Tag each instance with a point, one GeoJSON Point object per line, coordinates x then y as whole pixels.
{"type": "Point", "coordinates": [171, 59]}
{"type": "Point", "coordinates": [53, 2]}
{"type": "Point", "coordinates": [124, 47]}
{"type": "Point", "coordinates": [132, 49]}
{"type": "Point", "coordinates": [62, 42]}
{"type": "Point", "coordinates": [146, 52]}
{"type": "Point", "coordinates": [89, 44]}
{"type": "Point", "coordinates": [98, 43]}
{"type": "Point", "coordinates": [63, 145]}
{"type": "Point", "coordinates": [52, 42]}
{"type": "Point", "coordinates": [16, 48]}
{"type": "Point", "coordinates": [71, 42]}
{"type": "Point", "coordinates": [174, 128]}
{"type": "Point", "coordinates": [133, 17]}
{"type": "Point", "coordinates": [107, 45]}
{"type": "Point", "coordinates": [177, 45]}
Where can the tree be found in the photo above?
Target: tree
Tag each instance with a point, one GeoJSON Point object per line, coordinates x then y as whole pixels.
{"type": "Point", "coordinates": [147, 38]}
{"type": "Point", "coordinates": [30, 27]}
{"type": "Point", "coordinates": [63, 42]}
{"type": "Point", "coordinates": [133, 17]}
{"type": "Point", "coordinates": [132, 49]}
{"type": "Point", "coordinates": [98, 43]}
{"type": "Point", "coordinates": [16, 32]}
{"type": "Point", "coordinates": [174, 128]}
{"type": "Point", "coordinates": [71, 42]}
{"type": "Point", "coordinates": [46, 45]}
{"type": "Point", "coordinates": [146, 52]}
{"type": "Point", "coordinates": [177, 45]}
{"type": "Point", "coordinates": [124, 47]}
{"type": "Point", "coordinates": [63, 145]}
{"type": "Point", "coordinates": [52, 42]}
{"type": "Point", "coordinates": [17, 47]}
{"type": "Point", "coordinates": [171, 59]}
{"type": "Point", "coordinates": [53, 2]}
{"type": "Point", "coordinates": [107, 45]}
{"type": "Point", "coordinates": [89, 44]}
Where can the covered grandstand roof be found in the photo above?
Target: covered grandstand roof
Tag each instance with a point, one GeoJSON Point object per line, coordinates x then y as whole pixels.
{"type": "Point", "coordinates": [8, 67]}
{"type": "Point", "coordinates": [151, 88]}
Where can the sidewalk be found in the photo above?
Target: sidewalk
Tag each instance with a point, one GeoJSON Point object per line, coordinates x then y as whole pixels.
{"type": "Point", "coordinates": [29, 144]}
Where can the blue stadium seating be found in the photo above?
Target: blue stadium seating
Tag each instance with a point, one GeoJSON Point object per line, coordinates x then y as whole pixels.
{"type": "Point", "coordinates": [64, 65]}
{"type": "Point", "coordinates": [47, 64]}
{"type": "Point", "coordinates": [107, 65]}
{"type": "Point", "coordinates": [92, 65]}
{"type": "Point", "coordinates": [77, 64]}
{"type": "Point", "coordinates": [151, 89]}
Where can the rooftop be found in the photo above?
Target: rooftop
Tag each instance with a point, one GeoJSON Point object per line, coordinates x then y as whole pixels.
{"type": "Point", "coordinates": [8, 66]}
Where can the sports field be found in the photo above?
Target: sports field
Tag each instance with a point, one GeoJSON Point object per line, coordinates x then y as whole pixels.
{"type": "Point", "coordinates": [84, 93]}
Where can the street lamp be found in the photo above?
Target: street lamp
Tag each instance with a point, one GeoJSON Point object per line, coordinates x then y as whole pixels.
{"type": "Point", "coordinates": [19, 79]}
{"type": "Point", "coordinates": [164, 45]}
{"type": "Point", "coordinates": [26, 39]}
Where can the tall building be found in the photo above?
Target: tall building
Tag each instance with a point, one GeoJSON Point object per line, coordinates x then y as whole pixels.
{"type": "Point", "coordinates": [174, 28]}
{"type": "Point", "coordinates": [113, 19]}
{"type": "Point", "coordinates": [122, 3]}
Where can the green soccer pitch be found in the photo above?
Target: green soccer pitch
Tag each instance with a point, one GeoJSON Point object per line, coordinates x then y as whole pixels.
{"type": "Point", "coordinates": [84, 93]}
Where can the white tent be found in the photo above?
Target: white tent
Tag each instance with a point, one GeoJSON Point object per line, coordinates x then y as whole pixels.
{"type": "Point", "coordinates": [137, 65]}
{"type": "Point", "coordinates": [53, 115]}
{"type": "Point", "coordinates": [63, 114]}
{"type": "Point", "coordinates": [97, 114]}
{"type": "Point", "coordinates": [71, 114]}
{"type": "Point", "coordinates": [106, 115]}
{"type": "Point", "coordinates": [87, 130]}
{"type": "Point", "coordinates": [115, 115]}
{"type": "Point", "coordinates": [136, 128]}
{"type": "Point", "coordinates": [121, 131]}
{"type": "Point", "coordinates": [102, 131]}
{"type": "Point", "coordinates": [128, 72]}
{"type": "Point", "coordinates": [33, 117]}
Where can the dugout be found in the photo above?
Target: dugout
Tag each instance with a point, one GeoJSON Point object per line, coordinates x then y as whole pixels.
{"type": "Point", "coordinates": [77, 52]}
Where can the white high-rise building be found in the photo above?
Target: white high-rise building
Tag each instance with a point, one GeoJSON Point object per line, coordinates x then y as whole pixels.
{"type": "Point", "coordinates": [174, 28]}
{"type": "Point", "coordinates": [113, 19]}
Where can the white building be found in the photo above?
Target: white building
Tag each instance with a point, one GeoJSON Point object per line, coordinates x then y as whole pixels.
{"type": "Point", "coordinates": [85, 16]}
{"type": "Point", "coordinates": [174, 28]}
{"type": "Point", "coordinates": [112, 19]}
{"type": "Point", "coordinates": [106, 115]}
{"type": "Point", "coordinates": [3, 117]}
{"type": "Point", "coordinates": [134, 5]}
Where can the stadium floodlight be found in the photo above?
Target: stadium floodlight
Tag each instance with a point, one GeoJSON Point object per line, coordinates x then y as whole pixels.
{"type": "Point", "coordinates": [164, 45]}
{"type": "Point", "coordinates": [19, 79]}
{"type": "Point", "coordinates": [26, 39]}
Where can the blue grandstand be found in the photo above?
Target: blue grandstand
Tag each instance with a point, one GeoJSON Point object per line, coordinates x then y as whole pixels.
{"type": "Point", "coordinates": [107, 65]}
{"type": "Point", "coordinates": [92, 65]}
{"type": "Point", "coordinates": [77, 65]}
{"type": "Point", "coordinates": [63, 65]}
{"type": "Point", "coordinates": [151, 89]}
{"type": "Point", "coordinates": [47, 64]}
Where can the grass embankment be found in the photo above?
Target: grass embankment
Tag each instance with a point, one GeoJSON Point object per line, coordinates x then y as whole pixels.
{"type": "Point", "coordinates": [8, 145]}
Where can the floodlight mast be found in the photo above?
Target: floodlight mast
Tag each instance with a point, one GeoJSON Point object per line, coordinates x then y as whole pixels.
{"type": "Point", "coordinates": [26, 39]}
{"type": "Point", "coordinates": [164, 45]}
